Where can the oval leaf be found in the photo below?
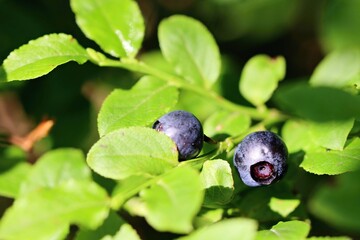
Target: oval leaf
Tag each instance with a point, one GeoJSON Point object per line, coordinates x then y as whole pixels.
{"type": "Point", "coordinates": [56, 167]}
{"type": "Point", "coordinates": [283, 206]}
{"type": "Point", "coordinates": [116, 26]}
{"type": "Point", "coordinates": [174, 200]}
{"type": "Point", "coordinates": [337, 203]}
{"type": "Point", "coordinates": [13, 170]}
{"type": "Point", "coordinates": [292, 230]}
{"type": "Point", "coordinates": [113, 225]}
{"type": "Point", "coordinates": [331, 134]}
{"type": "Point", "coordinates": [233, 229]}
{"type": "Point", "coordinates": [296, 135]}
{"type": "Point", "coordinates": [338, 69]}
{"type": "Point", "coordinates": [223, 122]}
{"type": "Point", "coordinates": [218, 182]}
{"type": "Point", "coordinates": [48, 213]}
{"type": "Point", "coordinates": [127, 188]}
{"type": "Point", "coordinates": [191, 49]}
{"type": "Point", "coordinates": [305, 135]}
{"type": "Point", "coordinates": [318, 103]}
{"type": "Point", "coordinates": [126, 232]}
{"type": "Point", "coordinates": [142, 105]}
{"type": "Point", "coordinates": [42, 55]}
{"type": "Point", "coordinates": [132, 151]}
{"type": "Point", "coordinates": [260, 78]}
{"type": "Point", "coordinates": [12, 179]}
{"type": "Point", "coordinates": [323, 161]}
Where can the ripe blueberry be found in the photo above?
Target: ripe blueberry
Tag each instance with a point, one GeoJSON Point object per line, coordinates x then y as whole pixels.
{"type": "Point", "coordinates": [261, 158]}
{"type": "Point", "coordinates": [185, 130]}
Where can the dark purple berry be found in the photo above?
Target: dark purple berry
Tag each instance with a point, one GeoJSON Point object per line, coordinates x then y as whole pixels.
{"type": "Point", "coordinates": [185, 130]}
{"type": "Point", "coordinates": [261, 158]}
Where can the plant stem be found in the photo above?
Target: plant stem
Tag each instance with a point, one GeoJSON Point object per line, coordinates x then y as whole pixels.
{"type": "Point", "coordinates": [141, 67]}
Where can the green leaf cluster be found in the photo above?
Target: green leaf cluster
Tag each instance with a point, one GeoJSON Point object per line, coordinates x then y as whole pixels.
{"type": "Point", "coordinates": [202, 198]}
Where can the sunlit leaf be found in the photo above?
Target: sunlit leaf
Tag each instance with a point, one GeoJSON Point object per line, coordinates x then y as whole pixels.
{"type": "Point", "coordinates": [331, 134]}
{"type": "Point", "coordinates": [338, 69]}
{"type": "Point", "coordinates": [109, 227]}
{"type": "Point", "coordinates": [55, 167]}
{"type": "Point", "coordinates": [128, 187]}
{"type": "Point", "coordinates": [217, 179]}
{"type": "Point", "coordinates": [292, 230]}
{"type": "Point", "coordinates": [41, 56]}
{"type": "Point", "coordinates": [320, 104]}
{"type": "Point", "coordinates": [141, 106]}
{"type": "Point", "coordinates": [283, 206]}
{"type": "Point", "coordinates": [232, 229]}
{"type": "Point", "coordinates": [48, 213]}
{"type": "Point", "coordinates": [296, 135]}
{"type": "Point", "coordinates": [173, 201]}
{"type": "Point", "coordinates": [126, 232]}
{"type": "Point", "coordinates": [116, 26]}
{"type": "Point", "coordinates": [260, 78]}
{"type": "Point", "coordinates": [191, 49]}
{"type": "Point", "coordinates": [132, 151]}
{"type": "Point", "coordinates": [223, 122]}
{"type": "Point", "coordinates": [13, 171]}
{"type": "Point", "coordinates": [12, 178]}
{"type": "Point", "coordinates": [324, 161]}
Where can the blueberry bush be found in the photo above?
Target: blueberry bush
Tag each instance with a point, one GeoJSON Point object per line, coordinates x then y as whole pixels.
{"type": "Point", "coordinates": [270, 156]}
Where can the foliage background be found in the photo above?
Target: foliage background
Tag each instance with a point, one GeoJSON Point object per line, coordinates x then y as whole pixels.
{"type": "Point", "coordinates": [301, 31]}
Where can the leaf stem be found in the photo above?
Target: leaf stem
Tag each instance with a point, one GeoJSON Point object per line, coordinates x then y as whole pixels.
{"type": "Point", "coordinates": [141, 67]}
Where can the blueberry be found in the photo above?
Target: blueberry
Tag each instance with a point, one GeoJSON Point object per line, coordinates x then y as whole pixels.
{"type": "Point", "coordinates": [261, 158]}
{"type": "Point", "coordinates": [185, 130]}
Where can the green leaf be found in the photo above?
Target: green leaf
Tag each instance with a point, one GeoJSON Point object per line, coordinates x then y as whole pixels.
{"type": "Point", "coordinates": [323, 161]}
{"type": "Point", "coordinates": [156, 60]}
{"type": "Point", "coordinates": [127, 188]}
{"type": "Point", "coordinates": [11, 179]}
{"type": "Point", "coordinates": [305, 135]}
{"type": "Point", "coordinates": [208, 217]}
{"type": "Point", "coordinates": [256, 203]}
{"type": "Point", "coordinates": [260, 78]}
{"type": "Point", "coordinates": [339, 25]}
{"type": "Point", "coordinates": [338, 69]}
{"type": "Point", "coordinates": [283, 206]}
{"type": "Point", "coordinates": [132, 151]}
{"type": "Point", "coordinates": [116, 26]}
{"type": "Point", "coordinates": [109, 227]}
{"type": "Point", "coordinates": [338, 203]}
{"type": "Point", "coordinates": [191, 49]}
{"type": "Point", "coordinates": [223, 122]}
{"type": "Point", "coordinates": [42, 55]}
{"type": "Point", "coordinates": [13, 171]}
{"type": "Point", "coordinates": [126, 232]}
{"type": "Point", "coordinates": [231, 229]}
{"type": "Point", "coordinates": [48, 213]}
{"type": "Point", "coordinates": [296, 135]}
{"type": "Point", "coordinates": [113, 228]}
{"type": "Point", "coordinates": [56, 167]}
{"type": "Point", "coordinates": [142, 105]}
{"type": "Point", "coordinates": [329, 238]}
{"type": "Point", "coordinates": [217, 180]}
{"type": "Point", "coordinates": [285, 230]}
{"type": "Point", "coordinates": [331, 134]}
{"type": "Point", "coordinates": [319, 104]}
{"type": "Point", "coordinates": [174, 200]}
